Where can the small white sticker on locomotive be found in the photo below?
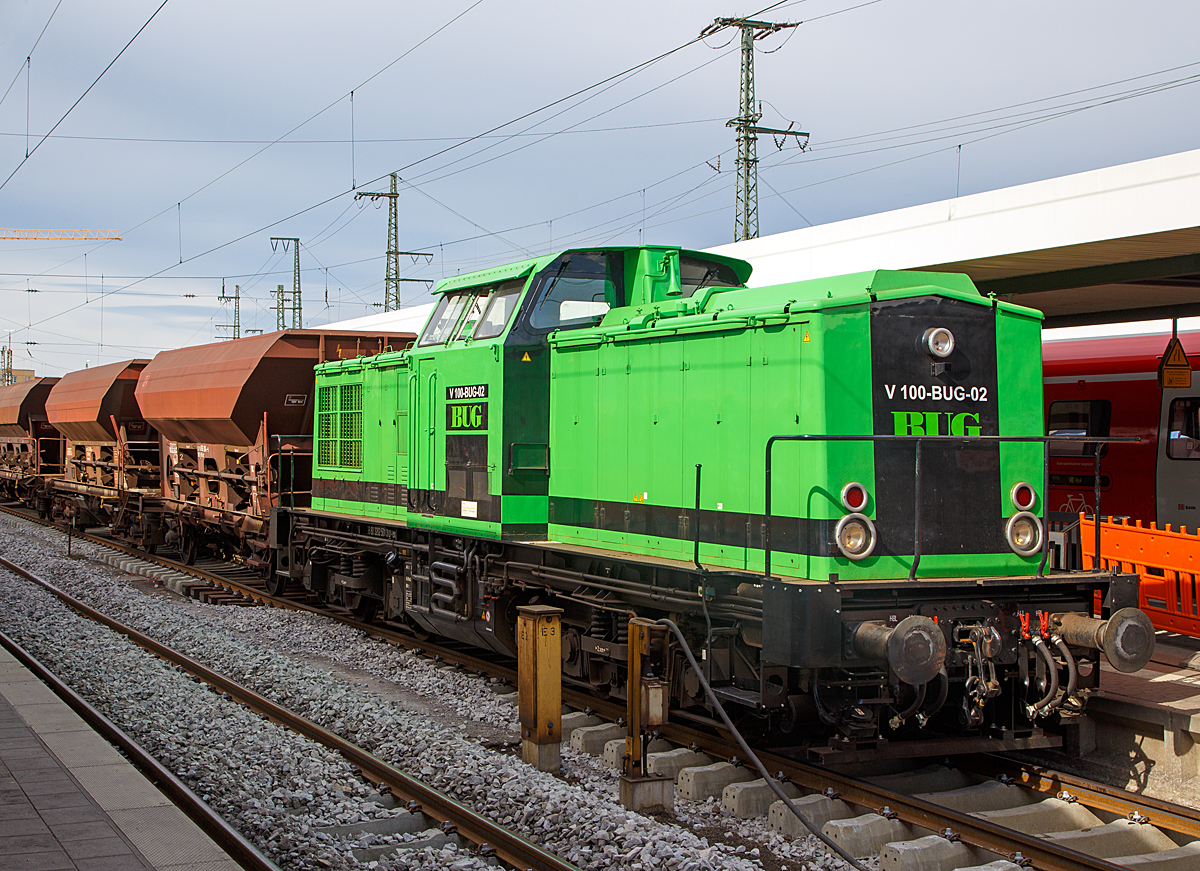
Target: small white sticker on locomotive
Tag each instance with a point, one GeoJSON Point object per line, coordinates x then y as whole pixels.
{"type": "Point", "coordinates": [296, 399]}
{"type": "Point", "coordinates": [470, 509]}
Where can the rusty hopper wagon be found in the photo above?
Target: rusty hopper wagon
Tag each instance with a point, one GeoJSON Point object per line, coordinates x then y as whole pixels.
{"type": "Point", "coordinates": [236, 423]}
{"type": "Point", "coordinates": [112, 454]}
{"type": "Point", "coordinates": [30, 447]}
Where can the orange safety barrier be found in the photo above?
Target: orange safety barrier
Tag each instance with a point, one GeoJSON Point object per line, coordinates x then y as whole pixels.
{"type": "Point", "coordinates": [1167, 562]}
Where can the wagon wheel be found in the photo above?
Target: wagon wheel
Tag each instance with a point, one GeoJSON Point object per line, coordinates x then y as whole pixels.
{"type": "Point", "coordinates": [187, 550]}
{"type": "Point", "coordinates": [276, 584]}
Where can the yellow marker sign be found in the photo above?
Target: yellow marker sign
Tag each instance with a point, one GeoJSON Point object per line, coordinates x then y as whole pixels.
{"type": "Point", "coordinates": [806, 338]}
{"type": "Point", "coordinates": [1175, 370]}
{"type": "Point", "coordinates": [525, 358]}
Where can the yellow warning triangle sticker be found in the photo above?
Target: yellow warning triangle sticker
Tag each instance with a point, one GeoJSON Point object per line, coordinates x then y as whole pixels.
{"type": "Point", "coordinates": [806, 338]}
{"type": "Point", "coordinates": [525, 358]}
{"type": "Point", "coordinates": [1175, 358]}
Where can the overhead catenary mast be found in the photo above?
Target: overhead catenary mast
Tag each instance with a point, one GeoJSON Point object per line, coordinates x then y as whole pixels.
{"type": "Point", "coordinates": [392, 279]}
{"type": "Point", "coordinates": [746, 123]}
{"type": "Point", "coordinates": [236, 327]}
{"type": "Point", "coordinates": [282, 306]}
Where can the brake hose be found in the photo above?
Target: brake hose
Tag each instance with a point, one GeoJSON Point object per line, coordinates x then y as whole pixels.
{"type": "Point", "coordinates": [770, 781]}
{"type": "Point", "coordinates": [1043, 651]}
{"type": "Point", "coordinates": [1072, 672]}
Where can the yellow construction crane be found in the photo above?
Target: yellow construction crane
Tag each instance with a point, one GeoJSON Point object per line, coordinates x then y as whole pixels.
{"type": "Point", "coordinates": [62, 235]}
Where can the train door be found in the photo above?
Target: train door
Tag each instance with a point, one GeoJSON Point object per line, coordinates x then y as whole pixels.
{"type": "Point", "coordinates": [1177, 476]}
{"type": "Point", "coordinates": [423, 425]}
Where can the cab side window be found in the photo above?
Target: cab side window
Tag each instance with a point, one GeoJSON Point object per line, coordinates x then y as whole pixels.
{"type": "Point", "coordinates": [696, 274]}
{"type": "Point", "coordinates": [1078, 418]}
{"type": "Point", "coordinates": [1183, 431]}
{"type": "Point", "coordinates": [577, 290]}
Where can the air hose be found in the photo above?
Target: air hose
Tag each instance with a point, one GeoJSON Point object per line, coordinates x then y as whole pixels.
{"type": "Point", "coordinates": [750, 754]}
{"type": "Point", "coordinates": [1036, 709]}
{"type": "Point", "coordinates": [1072, 673]}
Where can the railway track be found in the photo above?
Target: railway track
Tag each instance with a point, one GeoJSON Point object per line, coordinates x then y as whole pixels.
{"type": "Point", "coordinates": [490, 838]}
{"type": "Point", "coordinates": [223, 834]}
{"type": "Point", "coordinates": [985, 807]}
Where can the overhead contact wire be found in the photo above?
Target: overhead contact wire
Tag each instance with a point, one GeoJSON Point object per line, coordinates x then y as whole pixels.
{"type": "Point", "coordinates": [29, 154]}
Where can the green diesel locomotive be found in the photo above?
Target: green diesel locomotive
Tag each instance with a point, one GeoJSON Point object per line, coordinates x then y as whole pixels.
{"type": "Point", "coordinates": [834, 485]}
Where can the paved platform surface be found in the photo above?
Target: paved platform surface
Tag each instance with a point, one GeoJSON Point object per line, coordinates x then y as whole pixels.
{"type": "Point", "coordinates": [69, 800]}
{"type": "Point", "coordinates": [1180, 651]}
{"type": "Point", "coordinates": [1156, 686]}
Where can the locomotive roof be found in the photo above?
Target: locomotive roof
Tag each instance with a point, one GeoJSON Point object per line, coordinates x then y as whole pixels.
{"type": "Point", "coordinates": [737, 306]}
{"type": "Point", "coordinates": [741, 268]}
{"type": "Point", "coordinates": [1112, 354]}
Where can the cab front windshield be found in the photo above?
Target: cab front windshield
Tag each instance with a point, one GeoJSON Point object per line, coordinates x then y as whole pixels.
{"type": "Point", "coordinates": [478, 313]}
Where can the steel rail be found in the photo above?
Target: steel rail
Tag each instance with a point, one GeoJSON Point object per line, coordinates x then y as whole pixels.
{"type": "Point", "coordinates": [210, 822]}
{"type": "Point", "coordinates": [971, 830]}
{"type": "Point", "coordinates": [1163, 814]}
{"type": "Point", "coordinates": [507, 846]}
{"type": "Point", "coordinates": [455, 657]}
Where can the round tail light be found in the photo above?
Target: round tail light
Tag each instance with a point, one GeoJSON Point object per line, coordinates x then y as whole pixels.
{"type": "Point", "coordinates": [1024, 533]}
{"type": "Point", "coordinates": [854, 496]}
{"type": "Point", "coordinates": [939, 342]}
{"type": "Point", "coordinates": [1023, 496]}
{"type": "Point", "coordinates": [855, 536]}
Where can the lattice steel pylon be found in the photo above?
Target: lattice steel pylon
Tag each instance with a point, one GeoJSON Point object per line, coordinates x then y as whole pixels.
{"type": "Point", "coordinates": [392, 279]}
{"type": "Point", "coordinates": [236, 327]}
{"type": "Point", "coordinates": [294, 303]}
{"type": "Point", "coordinates": [746, 123]}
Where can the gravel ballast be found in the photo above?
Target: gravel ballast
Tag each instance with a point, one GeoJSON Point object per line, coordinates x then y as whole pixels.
{"type": "Point", "coordinates": [278, 788]}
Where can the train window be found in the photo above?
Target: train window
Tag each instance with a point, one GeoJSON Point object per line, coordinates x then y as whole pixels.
{"type": "Point", "coordinates": [499, 309]}
{"type": "Point", "coordinates": [577, 290]}
{"type": "Point", "coordinates": [696, 274]}
{"type": "Point", "coordinates": [445, 316]}
{"type": "Point", "coordinates": [1078, 418]}
{"type": "Point", "coordinates": [1183, 439]}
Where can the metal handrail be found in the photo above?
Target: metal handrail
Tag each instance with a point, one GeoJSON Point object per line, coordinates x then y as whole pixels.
{"type": "Point", "coordinates": [912, 574]}
{"type": "Point", "coordinates": [292, 453]}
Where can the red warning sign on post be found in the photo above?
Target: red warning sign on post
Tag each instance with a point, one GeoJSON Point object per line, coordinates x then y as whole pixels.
{"type": "Point", "coordinates": [1175, 370]}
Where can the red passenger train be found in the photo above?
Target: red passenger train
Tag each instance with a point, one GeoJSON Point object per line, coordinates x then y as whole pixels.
{"type": "Point", "coordinates": [1108, 387]}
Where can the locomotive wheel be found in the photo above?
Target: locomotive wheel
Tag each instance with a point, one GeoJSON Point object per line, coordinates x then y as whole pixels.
{"type": "Point", "coordinates": [365, 609]}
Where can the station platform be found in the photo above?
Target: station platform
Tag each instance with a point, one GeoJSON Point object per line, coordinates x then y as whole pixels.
{"type": "Point", "coordinates": [1150, 718]}
{"type": "Point", "coordinates": [69, 800]}
{"type": "Point", "coordinates": [1178, 651]}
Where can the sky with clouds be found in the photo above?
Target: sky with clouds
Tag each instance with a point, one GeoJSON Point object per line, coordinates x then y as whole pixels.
{"type": "Point", "coordinates": [516, 128]}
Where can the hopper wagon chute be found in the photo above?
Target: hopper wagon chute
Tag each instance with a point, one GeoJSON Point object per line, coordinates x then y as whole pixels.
{"type": "Point", "coordinates": [30, 447]}
{"type": "Point", "coordinates": [236, 423]}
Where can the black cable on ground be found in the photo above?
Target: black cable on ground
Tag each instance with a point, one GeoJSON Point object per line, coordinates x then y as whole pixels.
{"type": "Point", "coordinates": [750, 754]}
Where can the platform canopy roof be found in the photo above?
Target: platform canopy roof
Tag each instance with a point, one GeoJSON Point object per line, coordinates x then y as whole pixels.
{"type": "Point", "coordinates": [1110, 245]}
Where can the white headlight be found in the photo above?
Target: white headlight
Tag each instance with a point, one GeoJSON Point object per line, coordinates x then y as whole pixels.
{"type": "Point", "coordinates": [939, 342]}
{"type": "Point", "coordinates": [855, 536]}
{"type": "Point", "coordinates": [1024, 533]}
